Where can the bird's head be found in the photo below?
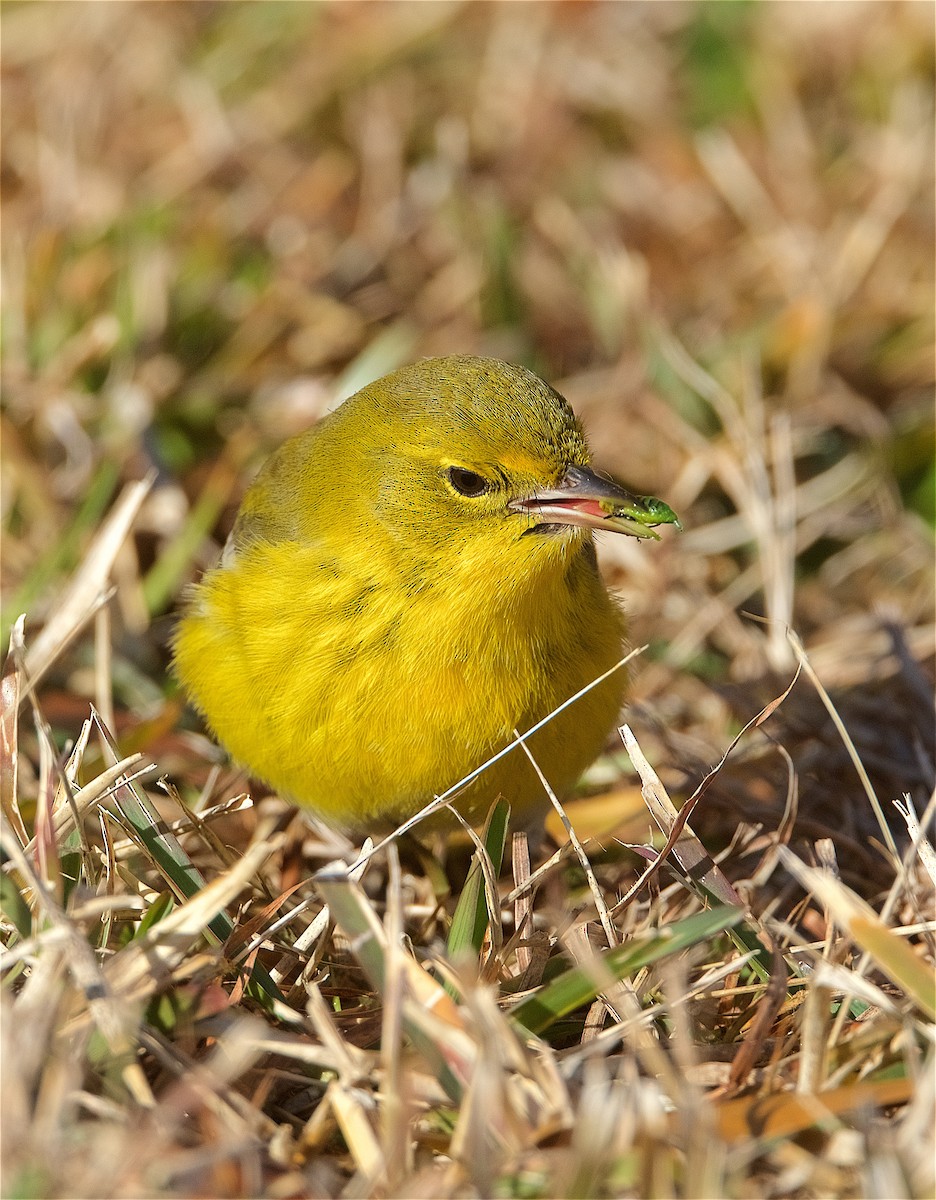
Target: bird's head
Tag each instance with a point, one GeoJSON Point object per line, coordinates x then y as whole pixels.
{"type": "Point", "coordinates": [450, 459]}
{"type": "Point", "coordinates": [471, 451]}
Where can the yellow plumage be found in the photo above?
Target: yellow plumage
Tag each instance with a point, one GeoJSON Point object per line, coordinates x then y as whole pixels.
{"type": "Point", "coordinates": [406, 584]}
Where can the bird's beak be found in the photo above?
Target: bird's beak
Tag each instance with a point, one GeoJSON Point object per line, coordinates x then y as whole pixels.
{"type": "Point", "coordinates": [582, 498]}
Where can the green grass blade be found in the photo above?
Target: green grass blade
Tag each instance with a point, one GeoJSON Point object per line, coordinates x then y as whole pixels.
{"type": "Point", "coordinates": [579, 986]}
{"type": "Point", "coordinates": [471, 917]}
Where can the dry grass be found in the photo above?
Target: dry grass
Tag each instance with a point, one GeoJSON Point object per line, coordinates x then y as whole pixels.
{"type": "Point", "coordinates": [712, 227]}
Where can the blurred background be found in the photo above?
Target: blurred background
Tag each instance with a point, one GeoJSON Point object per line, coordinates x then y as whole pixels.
{"type": "Point", "coordinates": [709, 225]}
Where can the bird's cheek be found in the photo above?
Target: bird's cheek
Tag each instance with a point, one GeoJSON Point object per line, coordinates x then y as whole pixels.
{"type": "Point", "coordinates": [401, 511]}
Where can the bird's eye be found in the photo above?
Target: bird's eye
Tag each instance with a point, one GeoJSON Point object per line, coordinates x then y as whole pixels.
{"type": "Point", "coordinates": [467, 483]}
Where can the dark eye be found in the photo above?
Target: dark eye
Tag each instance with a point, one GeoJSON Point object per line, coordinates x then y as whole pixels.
{"type": "Point", "coordinates": [467, 482]}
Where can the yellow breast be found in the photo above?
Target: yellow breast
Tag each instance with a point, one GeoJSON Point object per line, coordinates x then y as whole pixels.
{"type": "Point", "coordinates": [363, 702]}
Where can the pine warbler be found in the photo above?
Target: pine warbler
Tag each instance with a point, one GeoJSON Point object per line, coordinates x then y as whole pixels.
{"type": "Point", "coordinates": [408, 583]}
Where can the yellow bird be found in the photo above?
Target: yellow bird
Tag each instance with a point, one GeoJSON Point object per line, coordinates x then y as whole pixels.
{"type": "Point", "coordinates": [406, 584]}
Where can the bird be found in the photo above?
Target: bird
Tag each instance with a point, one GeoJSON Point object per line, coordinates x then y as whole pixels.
{"type": "Point", "coordinates": [408, 585]}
